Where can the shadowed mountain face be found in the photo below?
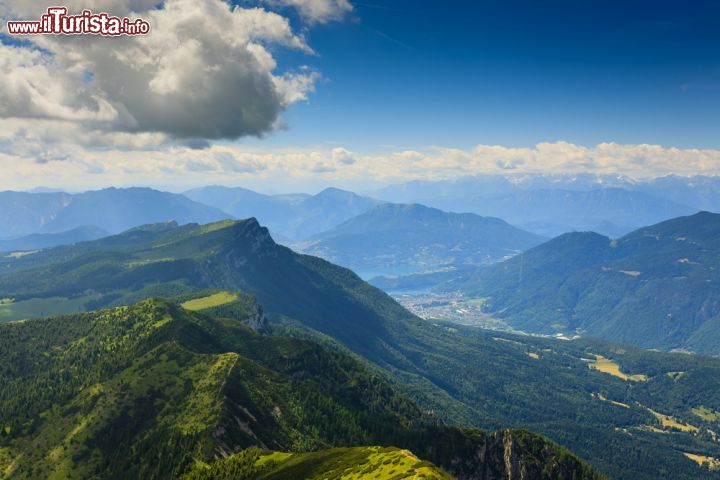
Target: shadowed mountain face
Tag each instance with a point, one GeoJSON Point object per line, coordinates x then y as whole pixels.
{"type": "Point", "coordinates": [37, 241]}
{"type": "Point", "coordinates": [467, 376]}
{"type": "Point", "coordinates": [174, 389]}
{"type": "Point", "coordinates": [113, 210]}
{"type": "Point", "coordinates": [291, 217]}
{"type": "Point", "coordinates": [664, 278]}
{"type": "Point", "coordinates": [26, 213]}
{"type": "Point", "coordinates": [554, 204]}
{"type": "Point", "coordinates": [400, 239]}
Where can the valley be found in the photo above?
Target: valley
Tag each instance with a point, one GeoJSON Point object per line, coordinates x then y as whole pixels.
{"type": "Point", "coordinates": [516, 381]}
{"type": "Point", "coordinates": [450, 307]}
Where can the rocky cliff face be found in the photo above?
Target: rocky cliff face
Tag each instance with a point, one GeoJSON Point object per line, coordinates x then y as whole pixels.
{"type": "Point", "coordinates": [258, 322]}
{"type": "Point", "coordinates": [520, 455]}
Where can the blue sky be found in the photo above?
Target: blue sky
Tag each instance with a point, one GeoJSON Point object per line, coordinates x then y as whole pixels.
{"type": "Point", "coordinates": [370, 93]}
{"type": "Point", "coordinates": [459, 73]}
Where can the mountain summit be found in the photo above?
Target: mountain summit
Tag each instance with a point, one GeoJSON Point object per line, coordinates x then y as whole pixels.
{"type": "Point", "coordinates": [397, 239]}
{"type": "Point", "coordinates": [289, 217]}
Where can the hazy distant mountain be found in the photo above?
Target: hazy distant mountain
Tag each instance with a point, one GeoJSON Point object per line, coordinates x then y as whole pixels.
{"type": "Point", "coordinates": [45, 190]}
{"type": "Point", "coordinates": [700, 192]}
{"type": "Point", "coordinates": [557, 211]}
{"type": "Point", "coordinates": [611, 230]}
{"type": "Point", "coordinates": [37, 241]}
{"type": "Point", "coordinates": [243, 203]}
{"type": "Point", "coordinates": [657, 287]}
{"type": "Point", "coordinates": [553, 204]}
{"type": "Point", "coordinates": [395, 239]}
{"type": "Point", "coordinates": [24, 213]}
{"type": "Point", "coordinates": [111, 209]}
{"type": "Point", "coordinates": [493, 184]}
{"type": "Point", "coordinates": [293, 217]}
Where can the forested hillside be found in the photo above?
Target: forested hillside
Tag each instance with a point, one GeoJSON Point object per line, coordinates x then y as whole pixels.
{"type": "Point", "coordinates": [657, 287]}
{"type": "Point", "coordinates": [467, 377]}
{"type": "Point", "coordinates": [153, 390]}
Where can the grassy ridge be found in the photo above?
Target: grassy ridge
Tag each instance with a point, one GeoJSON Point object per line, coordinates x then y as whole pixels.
{"type": "Point", "coordinates": [211, 301]}
{"type": "Point", "coordinates": [340, 463]}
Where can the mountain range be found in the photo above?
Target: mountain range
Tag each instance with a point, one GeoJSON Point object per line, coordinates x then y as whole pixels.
{"type": "Point", "coordinates": [550, 205]}
{"type": "Point", "coordinates": [394, 239]}
{"type": "Point", "coordinates": [639, 420]}
{"type": "Point", "coordinates": [656, 287]}
{"type": "Point", "coordinates": [38, 241]}
{"type": "Point", "coordinates": [546, 205]}
{"type": "Point", "coordinates": [289, 217]}
{"type": "Point", "coordinates": [113, 210]}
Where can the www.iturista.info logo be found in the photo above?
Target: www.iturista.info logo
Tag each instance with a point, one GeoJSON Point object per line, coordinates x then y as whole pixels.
{"type": "Point", "coordinates": [57, 22]}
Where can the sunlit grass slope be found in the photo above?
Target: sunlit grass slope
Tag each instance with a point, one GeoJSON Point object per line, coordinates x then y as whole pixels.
{"type": "Point", "coordinates": [338, 464]}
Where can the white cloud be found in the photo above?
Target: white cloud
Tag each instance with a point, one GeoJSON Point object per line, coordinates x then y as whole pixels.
{"type": "Point", "coordinates": [29, 87]}
{"type": "Point", "coordinates": [35, 157]}
{"type": "Point", "coordinates": [343, 156]}
{"type": "Point", "coordinates": [206, 71]}
{"type": "Point", "coordinates": [82, 112]}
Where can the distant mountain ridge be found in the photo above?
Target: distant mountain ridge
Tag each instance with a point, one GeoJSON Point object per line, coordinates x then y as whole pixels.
{"type": "Point", "coordinates": [406, 238]}
{"type": "Point", "coordinates": [38, 241]}
{"type": "Point", "coordinates": [544, 204]}
{"type": "Point", "coordinates": [553, 204]}
{"type": "Point", "coordinates": [291, 217]}
{"type": "Point", "coordinates": [112, 209]}
{"type": "Point", "coordinates": [556, 210]}
{"type": "Point", "coordinates": [663, 277]}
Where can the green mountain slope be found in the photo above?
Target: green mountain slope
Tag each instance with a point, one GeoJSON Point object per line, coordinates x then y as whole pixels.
{"type": "Point", "coordinates": [465, 376]}
{"type": "Point", "coordinates": [151, 390]}
{"type": "Point", "coordinates": [346, 463]}
{"type": "Point", "coordinates": [399, 239]}
{"type": "Point", "coordinates": [663, 277]}
{"type": "Point", "coordinates": [359, 463]}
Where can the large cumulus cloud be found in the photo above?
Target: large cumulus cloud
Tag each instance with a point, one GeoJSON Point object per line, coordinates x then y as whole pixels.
{"type": "Point", "coordinates": [207, 70]}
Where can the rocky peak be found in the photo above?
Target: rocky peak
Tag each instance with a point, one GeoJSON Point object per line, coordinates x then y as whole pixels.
{"type": "Point", "coordinates": [520, 455]}
{"type": "Point", "coordinates": [249, 232]}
